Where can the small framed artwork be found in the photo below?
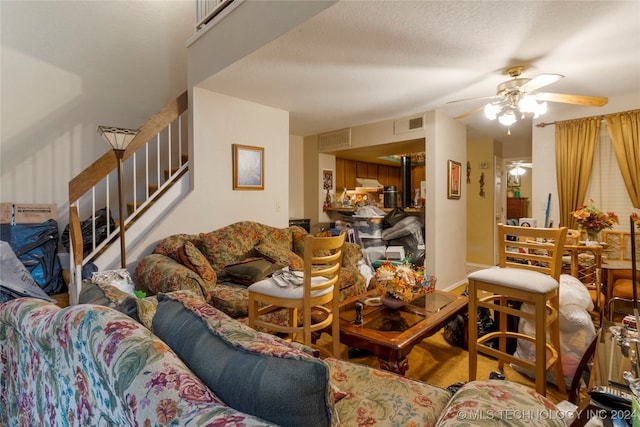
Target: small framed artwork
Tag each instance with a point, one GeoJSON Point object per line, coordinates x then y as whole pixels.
{"type": "Point", "coordinates": [327, 180]}
{"type": "Point", "coordinates": [248, 167]}
{"type": "Point", "coordinates": [453, 183]}
{"type": "Point", "coordinates": [513, 180]}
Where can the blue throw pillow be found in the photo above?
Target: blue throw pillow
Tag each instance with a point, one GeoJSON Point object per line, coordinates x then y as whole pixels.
{"type": "Point", "coordinates": [253, 372]}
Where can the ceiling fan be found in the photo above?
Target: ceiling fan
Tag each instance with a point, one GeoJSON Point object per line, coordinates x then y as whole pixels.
{"type": "Point", "coordinates": [517, 96]}
{"type": "Point", "coordinates": [516, 168]}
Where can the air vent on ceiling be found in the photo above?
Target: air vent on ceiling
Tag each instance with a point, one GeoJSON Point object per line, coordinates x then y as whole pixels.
{"type": "Point", "coordinates": [335, 140]}
{"type": "Point", "coordinates": [408, 124]}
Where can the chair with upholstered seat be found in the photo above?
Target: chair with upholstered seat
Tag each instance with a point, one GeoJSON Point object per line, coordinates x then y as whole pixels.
{"type": "Point", "coordinates": [621, 290]}
{"type": "Point", "coordinates": [318, 293]}
{"type": "Point", "coordinates": [528, 272]}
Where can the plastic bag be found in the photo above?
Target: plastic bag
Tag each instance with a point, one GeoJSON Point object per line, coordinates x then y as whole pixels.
{"type": "Point", "coordinates": [36, 246]}
{"type": "Point", "coordinates": [454, 331]}
{"type": "Point", "coordinates": [15, 279]}
{"type": "Point", "coordinates": [86, 228]}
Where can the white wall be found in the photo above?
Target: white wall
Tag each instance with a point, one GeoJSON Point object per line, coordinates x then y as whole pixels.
{"type": "Point", "coordinates": [445, 219]}
{"type": "Point", "coordinates": [544, 166]}
{"type": "Point", "coordinates": [218, 122]}
{"type": "Point", "coordinates": [67, 67]}
{"type": "Point", "coordinates": [296, 174]}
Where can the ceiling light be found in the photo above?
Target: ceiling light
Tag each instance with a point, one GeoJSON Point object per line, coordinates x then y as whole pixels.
{"type": "Point", "coordinates": [517, 171]}
{"type": "Point", "coordinates": [491, 110]}
{"type": "Point", "coordinates": [506, 113]}
{"type": "Point", "coordinates": [508, 118]}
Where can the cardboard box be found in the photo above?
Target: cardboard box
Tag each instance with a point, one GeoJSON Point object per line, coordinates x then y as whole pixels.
{"type": "Point", "coordinates": [24, 213]}
{"type": "Point", "coordinates": [6, 213]}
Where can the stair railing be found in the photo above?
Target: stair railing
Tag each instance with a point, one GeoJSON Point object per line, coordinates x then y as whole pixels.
{"type": "Point", "coordinates": [154, 160]}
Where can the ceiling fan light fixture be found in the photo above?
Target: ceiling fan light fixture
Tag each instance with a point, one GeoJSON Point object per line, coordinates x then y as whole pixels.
{"type": "Point", "coordinates": [491, 111]}
{"type": "Point", "coordinates": [529, 104]}
{"type": "Point", "coordinates": [508, 118]}
{"type": "Point", "coordinates": [517, 171]}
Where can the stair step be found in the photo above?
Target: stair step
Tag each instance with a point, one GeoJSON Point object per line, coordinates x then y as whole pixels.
{"type": "Point", "coordinates": [131, 208]}
{"type": "Point", "coordinates": [168, 173]}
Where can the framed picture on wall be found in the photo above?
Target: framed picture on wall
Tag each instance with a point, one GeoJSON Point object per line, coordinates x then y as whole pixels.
{"type": "Point", "coordinates": [513, 180]}
{"type": "Point", "coordinates": [453, 181]}
{"type": "Point", "coordinates": [327, 180]}
{"type": "Point", "coordinates": [248, 167]}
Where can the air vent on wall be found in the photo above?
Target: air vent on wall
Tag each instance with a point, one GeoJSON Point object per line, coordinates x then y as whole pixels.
{"type": "Point", "coordinates": [335, 140]}
{"type": "Point", "coordinates": [407, 124]}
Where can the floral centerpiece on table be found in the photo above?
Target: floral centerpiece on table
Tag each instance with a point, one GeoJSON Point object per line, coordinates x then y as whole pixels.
{"type": "Point", "coordinates": [398, 281]}
{"type": "Point", "coordinates": [593, 220]}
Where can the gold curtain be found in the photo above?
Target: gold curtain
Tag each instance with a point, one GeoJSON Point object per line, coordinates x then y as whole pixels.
{"type": "Point", "coordinates": [575, 145]}
{"type": "Point", "coordinates": [624, 129]}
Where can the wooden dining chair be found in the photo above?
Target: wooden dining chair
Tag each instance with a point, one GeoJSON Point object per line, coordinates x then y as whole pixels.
{"type": "Point", "coordinates": [318, 293]}
{"type": "Point", "coordinates": [528, 272]}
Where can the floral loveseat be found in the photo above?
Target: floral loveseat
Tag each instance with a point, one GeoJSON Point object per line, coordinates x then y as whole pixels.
{"type": "Point", "coordinates": [219, 265]}
{"type": "Point", "coordinates": [91, 364]}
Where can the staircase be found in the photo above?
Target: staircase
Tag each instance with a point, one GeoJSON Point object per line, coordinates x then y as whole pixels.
{"type": "Point", "coordinates": [153, 162]}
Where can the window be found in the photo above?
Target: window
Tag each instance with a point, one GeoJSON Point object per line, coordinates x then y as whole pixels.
{"type": "Point", "coordinates": [606, 186]}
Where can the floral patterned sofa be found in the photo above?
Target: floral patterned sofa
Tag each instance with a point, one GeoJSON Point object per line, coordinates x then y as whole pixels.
{"type": "Point", "coordinates": [219, 265]}
{"type": "Point", "coordinates": [91, 364]}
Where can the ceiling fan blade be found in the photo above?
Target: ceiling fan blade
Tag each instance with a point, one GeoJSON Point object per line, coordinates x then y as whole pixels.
{"type": "Point", "coordinates": [472, 99]}
{"type": "Point", "coordinates": [468, 113]}
{"type": "Point", "coordinates": [540, 81]}
{"type": "Point", "coordinates": [592, 101]}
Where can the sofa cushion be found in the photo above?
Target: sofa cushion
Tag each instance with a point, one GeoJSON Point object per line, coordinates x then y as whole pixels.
{"type": "Point", "coordinates": [141, 310]}
{"type": "Point", "coordinates": [189, 256]}
{"type": "Point", "coordinates": [251, 270]}
{"type": "Point", "coordinates": [280, 254]}
{"type": "Point", "coordinates": [503, 403]}
{"type": "Point", "coordinates": [158, 273]}
{"type": "Point", "coordinates": [253, 372]}
{"type": "Point", "coordinates": [231, 298]}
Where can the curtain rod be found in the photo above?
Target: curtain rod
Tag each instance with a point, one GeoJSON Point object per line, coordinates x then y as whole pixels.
{"type": "Point", "coordinates": [602, 117]}
{"type": "Point", "coordinates": [543, 124]}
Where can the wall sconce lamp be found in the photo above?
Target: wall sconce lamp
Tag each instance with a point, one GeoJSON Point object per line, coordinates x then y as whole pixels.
{"type": "Point", "coordinates": [119, 139]}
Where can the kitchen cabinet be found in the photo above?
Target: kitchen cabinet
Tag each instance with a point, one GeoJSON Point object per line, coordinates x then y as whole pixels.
{"type": "Point", "coordinates": [366, 170]}
{"type": "Point", "coordinates": [348, 170]}
{"type": "Point", "coordinates": [339, 175]}
{"type": "Point", "coordinates": [350, 174]}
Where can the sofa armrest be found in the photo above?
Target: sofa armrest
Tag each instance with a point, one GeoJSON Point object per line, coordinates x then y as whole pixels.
{"type": "Point", "coordinates": [158, 273]}
{"type": "Point", "coordinates": [365, 393]}
{"type": "Point", "coordinates": [499, 403]}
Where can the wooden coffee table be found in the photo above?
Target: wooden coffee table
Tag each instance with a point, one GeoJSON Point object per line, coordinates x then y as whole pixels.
{"type": "Point", "coordinates": [391, 334]}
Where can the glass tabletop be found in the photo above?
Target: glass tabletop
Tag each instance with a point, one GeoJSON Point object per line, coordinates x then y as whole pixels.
{"type": "Point", "coordinates": [381, 318]}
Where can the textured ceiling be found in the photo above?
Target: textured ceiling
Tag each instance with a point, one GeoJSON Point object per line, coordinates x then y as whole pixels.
{"type": "Point", "coordinates": [359, 62]}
